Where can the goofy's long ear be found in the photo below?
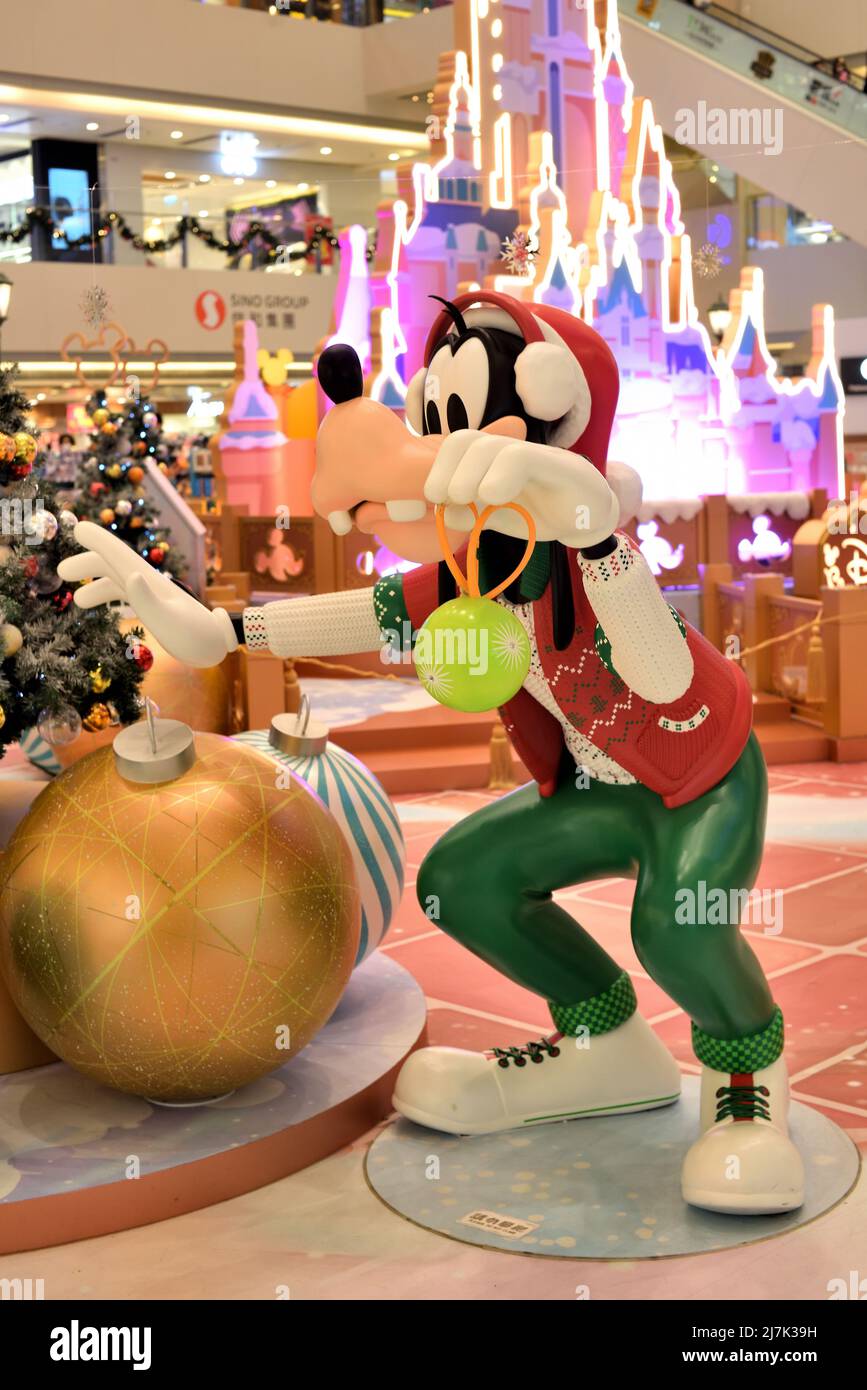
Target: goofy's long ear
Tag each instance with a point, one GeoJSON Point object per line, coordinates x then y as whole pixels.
{"type": "Point", "coordinates": [414, 404]}
{"type": "Point", "coordinates": [626, 486]}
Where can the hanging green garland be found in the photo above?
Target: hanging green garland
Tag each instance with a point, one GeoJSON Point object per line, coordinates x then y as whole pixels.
{"type": "Point", "coordinates": [116, 222]}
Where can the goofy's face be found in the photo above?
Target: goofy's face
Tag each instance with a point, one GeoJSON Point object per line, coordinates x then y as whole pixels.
{"type": "Point", "coordinates": [470, 384]}
{"type": "Point", "coordinates": [371, 470]}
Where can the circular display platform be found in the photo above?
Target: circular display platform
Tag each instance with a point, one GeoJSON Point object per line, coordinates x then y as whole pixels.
{"type": "Point", "coordinates": [79, 1160]}
{"type": "Point", "coordinates": [604, 1188]}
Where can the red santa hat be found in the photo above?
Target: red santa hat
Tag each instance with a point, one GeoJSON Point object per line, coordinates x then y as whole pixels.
{"type": "Point", "coordinates": [566, 375]}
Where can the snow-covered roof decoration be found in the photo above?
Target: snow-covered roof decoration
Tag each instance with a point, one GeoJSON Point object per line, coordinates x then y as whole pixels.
{"type": "Point", "coordinates": [793, 504]}
{"type": "Point", "coordinates": [670, 509]}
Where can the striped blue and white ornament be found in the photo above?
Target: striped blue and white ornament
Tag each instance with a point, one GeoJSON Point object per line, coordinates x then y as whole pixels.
{"type": "Point", "coordinates": [359, 805]}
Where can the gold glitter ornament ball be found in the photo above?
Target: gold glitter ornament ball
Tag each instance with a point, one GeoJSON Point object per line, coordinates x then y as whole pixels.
{"type": "Point", "coordinates": [177, 941]}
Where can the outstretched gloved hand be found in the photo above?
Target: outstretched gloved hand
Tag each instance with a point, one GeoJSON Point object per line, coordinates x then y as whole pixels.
{"type": "Point", "coordinates": [186, 628]}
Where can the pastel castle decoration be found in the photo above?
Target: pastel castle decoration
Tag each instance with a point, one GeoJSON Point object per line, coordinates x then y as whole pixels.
{"type": "Point", "coordinates": [265, 451]}
{"type": "Point", "coordinates": [536, 129]}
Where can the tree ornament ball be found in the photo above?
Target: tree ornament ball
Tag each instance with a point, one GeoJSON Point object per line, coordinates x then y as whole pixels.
{"type": "Point", "coordinates": [123, 506]}
{"type": "Point", "coordinates": [97, 718]}
{"type": "Point", "coordinates": [114, 470]}
{"type": "Point", "coordinates": [156, 555]}
{"type": "Point", "coordinates": [178, 940]}
{"type": "Point", "coordinates": [100, 416]}
{"type": "Point", "coordinates": [41, 525]}
{"type": "Point", "coordinates": [7, 448]}
{"type": "Point", "coordinates": [97, 488]}
{"type": "Point", "coordinates": [59, 727]}
{"type": "Point", "coordinates": [106, 516]}
{"type": "Point", "coordinates": [472, 654]}
{"type": "Point", "coordinates": [109, 427]}
{"type": "Point", "coordinates": [135, 474]}
{"type": "Point", "coordinates": [143, 656]}
{"type": "Point", "coordinates": [11, 639]}
{"type": "Point", "coordinates": [25, 447]}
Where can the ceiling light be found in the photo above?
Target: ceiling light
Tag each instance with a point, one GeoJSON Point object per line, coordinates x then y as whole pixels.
{"type": "Point", "coordinates": [238, 181]}
{"type": "Point", "coordinates": [92, 125]}
{"type": "Point", "coordinates": [416, 97]}
{"type": "Point", "coordinates": [270, 183]}
{"type": "Point", "coordinates": [203, 212]}
{"type": "Point", "coordinates": [170, 174]}
{"type": "Point", "coordinates": [97, 104]}
{"type": "Point", "coordinates": [303, 187]}
{"type": "Point", "coordinates": [325, 149]}
{"type": "Point", "coordinates": [394, 158]}
{"type": "Point", "coordinates": [176, 135]}
{"type": "Point", "coordinates": [204, 178]}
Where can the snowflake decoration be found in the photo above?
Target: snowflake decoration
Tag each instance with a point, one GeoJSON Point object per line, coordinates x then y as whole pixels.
{"type": "Point", "coordinates": [518, 253]}
{"type": "Point", "coordinates": [511, 646]}
{"type": "Point", "coordinates": [95, 306]}
{"type": "Point", "coordinates": [708, 261]}
{"type": "Point", "coordinates": [437, 681]}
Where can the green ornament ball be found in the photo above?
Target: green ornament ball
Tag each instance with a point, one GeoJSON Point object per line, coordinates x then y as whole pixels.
{"type": "Point", "coordinates": [472, 654]}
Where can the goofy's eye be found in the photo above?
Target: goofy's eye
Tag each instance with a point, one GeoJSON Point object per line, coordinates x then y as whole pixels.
{"type": "Point", "coordinates": [432, 418]}
{"type": "Point", "coordinates": [456, 414]}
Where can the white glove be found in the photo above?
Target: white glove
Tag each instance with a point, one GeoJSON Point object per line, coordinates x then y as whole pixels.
{"type": "Point", "coordinates": [568, 498]}
{"type": "Point", "coordinates": [188, 631]}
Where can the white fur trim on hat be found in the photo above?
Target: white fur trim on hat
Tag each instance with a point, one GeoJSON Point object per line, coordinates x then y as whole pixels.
{"type": "Point", "coordinates": [552, 386]}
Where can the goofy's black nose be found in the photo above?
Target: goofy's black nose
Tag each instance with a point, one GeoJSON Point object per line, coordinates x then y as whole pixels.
{"type": "Point", "coordinates": [339, 373]}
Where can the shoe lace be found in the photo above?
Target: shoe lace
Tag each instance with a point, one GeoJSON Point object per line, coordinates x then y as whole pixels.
{"type": "Point", "coordinates": [535, 1051]}
{"type": "Point", "coordinates": [743, 1102]}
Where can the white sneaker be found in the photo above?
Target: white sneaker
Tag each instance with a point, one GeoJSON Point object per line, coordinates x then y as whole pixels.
{"type": "Point", "coordinates": [744, 1161]}
{"type": "Point", "coordinates": [612, 1073]}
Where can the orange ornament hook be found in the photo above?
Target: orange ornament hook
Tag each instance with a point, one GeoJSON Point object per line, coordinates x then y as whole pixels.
{"type": "Point", "coordinates": [469, 583]}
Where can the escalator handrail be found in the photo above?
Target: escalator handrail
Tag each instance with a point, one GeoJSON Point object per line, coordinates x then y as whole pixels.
{"type": "Point", "coordinates": [790, 47]}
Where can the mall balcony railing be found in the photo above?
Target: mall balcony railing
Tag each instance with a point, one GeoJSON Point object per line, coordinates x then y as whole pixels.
{"type": "Point", "coordinates": [358, 13]}
{"type": "Point", "coordinates": [780, 66]}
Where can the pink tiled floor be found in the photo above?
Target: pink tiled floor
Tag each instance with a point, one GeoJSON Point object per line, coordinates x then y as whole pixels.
{"type": "Point", "coordinates": [325, 1235]}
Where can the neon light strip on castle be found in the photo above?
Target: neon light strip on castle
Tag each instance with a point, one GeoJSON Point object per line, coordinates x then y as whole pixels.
{"type": "Point", "coordinates": [542, 78]}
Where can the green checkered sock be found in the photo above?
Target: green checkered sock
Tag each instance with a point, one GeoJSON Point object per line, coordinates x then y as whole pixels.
{"type": "Point", "coordinates": [749, 1054]}
{"type": "Point", "coordinates": [599, 1014]}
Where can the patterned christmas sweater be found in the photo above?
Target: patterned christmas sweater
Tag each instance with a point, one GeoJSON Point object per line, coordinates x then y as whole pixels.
{"type": "Point", "coordinates": [637, 695]}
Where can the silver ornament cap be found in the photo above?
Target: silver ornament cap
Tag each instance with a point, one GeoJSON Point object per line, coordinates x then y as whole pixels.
{"type": "Point", "coordinates": [154, 750]}
{"type": "Point", "coordinates": [297, 735]}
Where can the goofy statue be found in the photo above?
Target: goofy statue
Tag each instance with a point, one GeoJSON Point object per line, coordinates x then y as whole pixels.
{"type": "Point", "coordinates": [637, 733]}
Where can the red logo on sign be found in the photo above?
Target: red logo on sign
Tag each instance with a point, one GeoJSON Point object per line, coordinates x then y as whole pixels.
{"type": "Point", "coordinates": [210, 309]}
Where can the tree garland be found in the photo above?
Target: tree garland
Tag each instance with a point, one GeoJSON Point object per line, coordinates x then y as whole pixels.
{"type": "Point", "coordinates": [116, 222]}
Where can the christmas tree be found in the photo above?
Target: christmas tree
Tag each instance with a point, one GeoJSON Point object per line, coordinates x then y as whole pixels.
{"type": "Point", "coordinates": [61, 667]}
{"type": "Point", "coordinates": [112, 478]}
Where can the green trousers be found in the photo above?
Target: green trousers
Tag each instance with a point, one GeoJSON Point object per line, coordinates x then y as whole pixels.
{"type": "Point", "coordinates": [489, 881]}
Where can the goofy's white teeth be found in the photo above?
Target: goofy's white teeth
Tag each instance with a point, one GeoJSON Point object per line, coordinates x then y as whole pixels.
{"type": "Point", "coordinates": [414, 509]}
{"type": "Point", "coordinates": [340, 523]}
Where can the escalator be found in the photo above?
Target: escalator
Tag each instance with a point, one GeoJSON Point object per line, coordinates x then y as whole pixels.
{"type": "Point", "coordinates": [755, 102]}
